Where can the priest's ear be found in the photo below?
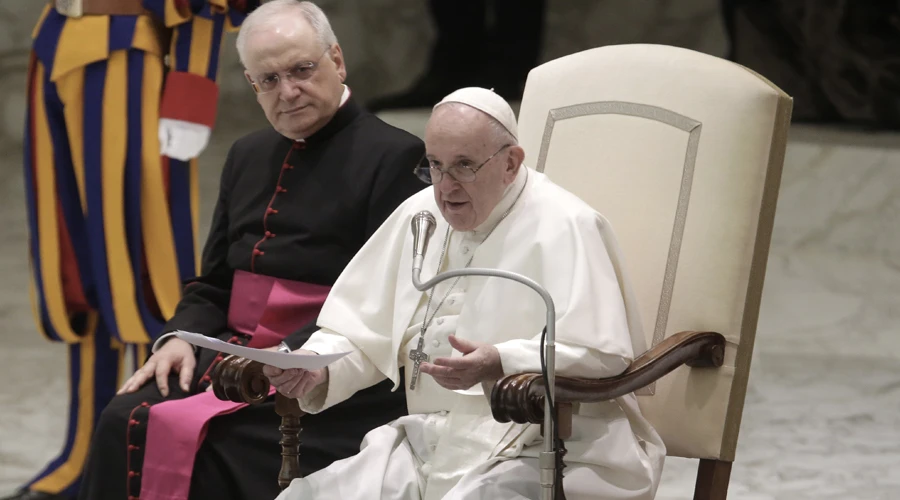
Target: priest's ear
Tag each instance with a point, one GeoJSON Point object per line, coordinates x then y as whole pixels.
{"type": "Point", "coordinates": [337, 57]}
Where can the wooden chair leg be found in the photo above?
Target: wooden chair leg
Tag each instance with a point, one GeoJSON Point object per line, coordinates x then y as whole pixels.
{"type": "Point", "coordinates": [712, 480]}
{"type": "Point", "coordinates": [289, 411]}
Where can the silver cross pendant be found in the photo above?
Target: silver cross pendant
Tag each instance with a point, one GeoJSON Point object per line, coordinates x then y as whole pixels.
{"type": "Point", "coordinates": [417, 355]}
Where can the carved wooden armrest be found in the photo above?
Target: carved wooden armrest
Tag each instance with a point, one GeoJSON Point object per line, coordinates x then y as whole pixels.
{"type": "Point", "coordinates": [520, 397]}
{"type": "Point", "coordinates": [242, 381]}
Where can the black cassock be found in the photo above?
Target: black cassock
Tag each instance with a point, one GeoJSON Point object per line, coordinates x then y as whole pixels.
{"type": "Point", "coordinates": [321, 198]}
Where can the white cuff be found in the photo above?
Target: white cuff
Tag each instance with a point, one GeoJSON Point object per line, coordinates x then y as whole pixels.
{"type": "Point", "coordinates": [165, 338]}
{"type": "Point", "coordinates": [346, 376]}
{"type": "Point", "coordinates": [314, 401]}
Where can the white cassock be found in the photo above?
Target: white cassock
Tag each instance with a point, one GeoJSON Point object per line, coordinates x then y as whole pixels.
{"type": "Point", "coordinates": [450, 446]}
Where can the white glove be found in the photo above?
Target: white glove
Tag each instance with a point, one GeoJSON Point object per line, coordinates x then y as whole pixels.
{"type": "Point", "coordinates": [182, 140]}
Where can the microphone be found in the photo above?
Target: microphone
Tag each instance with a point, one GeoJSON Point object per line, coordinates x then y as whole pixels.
{"type": "Point", "coordinates": [422, 225]}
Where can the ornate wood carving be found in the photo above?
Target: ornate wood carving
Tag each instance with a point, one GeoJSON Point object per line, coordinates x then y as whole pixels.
{"type": "Point", "coordinates": [520, 398]}
{"type": "Point", "coordinates": [289, 411]}
{"type": "Point", "coordinates": [242, 381]}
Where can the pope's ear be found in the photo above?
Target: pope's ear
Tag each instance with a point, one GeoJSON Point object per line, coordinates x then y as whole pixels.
{"type": "Point", "coordinates": [516, 157]}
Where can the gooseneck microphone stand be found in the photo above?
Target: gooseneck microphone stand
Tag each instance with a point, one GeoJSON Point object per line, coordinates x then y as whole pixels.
{"type": "Point", "coordinates": [422, 226]}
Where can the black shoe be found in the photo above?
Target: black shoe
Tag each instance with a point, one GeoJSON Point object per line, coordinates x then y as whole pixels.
{"type": "Point", "coordinates": [35, 495]}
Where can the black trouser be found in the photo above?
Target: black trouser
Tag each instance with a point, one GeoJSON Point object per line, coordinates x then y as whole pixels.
{"type": "Point", "coordinates": [240, 457]}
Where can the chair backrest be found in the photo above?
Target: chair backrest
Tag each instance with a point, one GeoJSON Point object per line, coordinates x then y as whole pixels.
{"type": "Point", "coordinates": [682, 152]}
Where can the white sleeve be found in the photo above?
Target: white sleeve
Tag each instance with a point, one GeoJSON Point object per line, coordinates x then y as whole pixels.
{"type": "Point", "coordinates": [165, 338]}
{"type": "Point", "coordinates": [346, 376]}
{"type": "Point", "coordinates": [593, 335]}
{"type": "Point", "coordinates": [521, 356]}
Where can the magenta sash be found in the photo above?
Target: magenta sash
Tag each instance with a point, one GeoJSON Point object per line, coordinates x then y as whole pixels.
{"type": "Point", "coordinates": [266, 308]}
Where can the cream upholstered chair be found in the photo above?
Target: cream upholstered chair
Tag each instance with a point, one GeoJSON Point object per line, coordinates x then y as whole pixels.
{"type": "Point", "coordinates": [682, 152]}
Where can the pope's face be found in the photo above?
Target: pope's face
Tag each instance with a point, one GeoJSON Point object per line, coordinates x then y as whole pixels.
{"type": "Point", "coordinates": [457, 136]}
{"type": "Point", "coordinates": [299, 81]}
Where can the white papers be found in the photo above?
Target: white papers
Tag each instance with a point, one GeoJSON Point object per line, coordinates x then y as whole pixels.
{"type": "Point", "coordinates": [277, 359]}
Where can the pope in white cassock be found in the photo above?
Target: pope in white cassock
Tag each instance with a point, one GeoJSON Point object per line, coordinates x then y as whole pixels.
{"type": "Point", "coordinates": [496, 213]}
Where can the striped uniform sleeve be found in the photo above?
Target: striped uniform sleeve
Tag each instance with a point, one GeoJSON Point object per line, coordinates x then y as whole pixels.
{"type": "Point", "coordinates": [191, 93]}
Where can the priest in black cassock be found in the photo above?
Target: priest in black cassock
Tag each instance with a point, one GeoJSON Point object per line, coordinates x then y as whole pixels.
{"type": "Point", "coordinates": [296, 202]}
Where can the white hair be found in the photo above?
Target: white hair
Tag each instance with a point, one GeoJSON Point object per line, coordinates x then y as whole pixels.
{"type": "Point", "coordinates": [273, 10]}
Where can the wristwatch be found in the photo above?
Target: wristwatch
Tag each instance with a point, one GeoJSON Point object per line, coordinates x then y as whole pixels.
{"type": "Point", "coordinates": [282, 347]}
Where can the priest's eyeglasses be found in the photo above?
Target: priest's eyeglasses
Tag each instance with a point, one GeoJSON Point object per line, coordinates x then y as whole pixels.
{"type": "Point", "coordinates": [461, 171]}
{"type": "Point", "coordinates": [300, 72]}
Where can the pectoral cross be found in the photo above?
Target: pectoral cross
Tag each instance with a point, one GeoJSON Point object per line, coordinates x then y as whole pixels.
{"type": "Point", "coordinates": [417, 355]}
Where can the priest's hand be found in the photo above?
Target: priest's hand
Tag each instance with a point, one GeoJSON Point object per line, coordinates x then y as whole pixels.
{"type": "Point", "coordinates": [480, 362]}
{"type": "Point", "coordinates": [175, 355]}
{"type": "Point", "coordinates": [295, 382]}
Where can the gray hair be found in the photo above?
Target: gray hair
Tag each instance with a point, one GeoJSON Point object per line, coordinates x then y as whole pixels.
{"type": "Point", "coordinates": [277, 9]}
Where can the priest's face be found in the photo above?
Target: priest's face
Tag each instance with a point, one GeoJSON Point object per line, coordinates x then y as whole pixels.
{"type": "Point", "coordinates": [463, 136]}
{"type": "Point", "coordinates": [298, 80]}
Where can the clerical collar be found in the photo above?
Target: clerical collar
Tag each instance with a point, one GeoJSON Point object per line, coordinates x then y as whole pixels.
{"type": "Point", "coordinates": [344, 95]}
{"type": "Point", "coordinates": [510, 195]}
{"type": "Point", "coordinates": [347, 111]}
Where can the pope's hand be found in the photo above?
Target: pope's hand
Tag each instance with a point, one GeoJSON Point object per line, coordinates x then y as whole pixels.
{"type": "Point", "coordinates": [182, 140]}
{"type": "Point", "coordinates": [295, 382]}
{"type": "Point", "coordinates": [480, 362]}
{"type": "Point", "coordinates": [175, 355]}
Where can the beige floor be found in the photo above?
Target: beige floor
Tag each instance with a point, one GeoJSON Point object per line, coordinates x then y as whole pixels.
{"type": "Point", "coordinates": [822, 418]}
